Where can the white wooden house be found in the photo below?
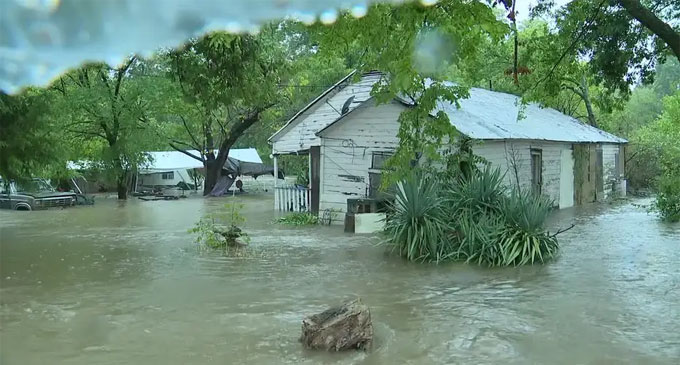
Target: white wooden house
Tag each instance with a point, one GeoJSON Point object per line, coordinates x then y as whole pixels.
{"type": "Point", "coordinates": [534, 146]}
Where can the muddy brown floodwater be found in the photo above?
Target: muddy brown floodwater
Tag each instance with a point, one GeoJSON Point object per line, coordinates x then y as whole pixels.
{"type": "Point", "coordinates": [122, 283]}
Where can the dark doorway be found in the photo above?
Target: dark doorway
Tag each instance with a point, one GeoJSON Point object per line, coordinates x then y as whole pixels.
{"type": "Point", "coordinates": [315, 179]}
{"type": "Point", "coordinates": [536, 170]}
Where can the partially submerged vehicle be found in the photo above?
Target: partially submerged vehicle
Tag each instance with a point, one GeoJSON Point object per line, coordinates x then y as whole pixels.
{"type": "Point", "coordinates": [34, 194]}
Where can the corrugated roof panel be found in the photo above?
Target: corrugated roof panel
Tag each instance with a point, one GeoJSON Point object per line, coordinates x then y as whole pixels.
{"type": "Point", "coordinates": [493, 115]}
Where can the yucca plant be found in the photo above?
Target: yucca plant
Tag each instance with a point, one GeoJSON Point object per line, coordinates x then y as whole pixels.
{"type": "Point", "coordinates": [476, 236]}
{"type": "Point", "coordinates": [523, 239]}
{"type": "Point", "coordinates": [417, 225]}
{"type": "Point", "coordinates": [481, 191]}
{"type": "Point", "coordinates": [475, 219]}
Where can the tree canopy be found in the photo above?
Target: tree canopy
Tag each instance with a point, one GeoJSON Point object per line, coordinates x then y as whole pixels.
{"type": "Point", "coordinates": [415, 46]}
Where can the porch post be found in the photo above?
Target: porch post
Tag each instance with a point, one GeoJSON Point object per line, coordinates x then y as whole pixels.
{"type": "Point", "coordinates": [276, 179]}
{"type": "Point", "coordinates": [308, 197]}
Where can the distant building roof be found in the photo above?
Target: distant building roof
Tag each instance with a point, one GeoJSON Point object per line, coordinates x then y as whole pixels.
{"type": "Point", "coordinates": [175, 160]}
{"type": "Point", "coordinates": [491, 115]}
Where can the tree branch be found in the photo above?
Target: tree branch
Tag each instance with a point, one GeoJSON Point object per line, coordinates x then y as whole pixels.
{"type": "Point", "coordinates": [185, 144]}
{"type": "Point", "coordinates": [237, 130]}
{"type": "Point", "coordinates": [86, 133]}
{"type": "Point", "coordinates": [563, 230]}
{"type": "Point", "coordinates": [186, 127]}
{"type": "Point", "coordinates": [576, 40]}
{"type": "Point", "coordinates": [186, 152]}
{"type": "Point", "coordinates": [574, 90]}
{"type": "Point", "coordinates": [121, 72]}
{"type": "Point", "coordinates": [650, 21]}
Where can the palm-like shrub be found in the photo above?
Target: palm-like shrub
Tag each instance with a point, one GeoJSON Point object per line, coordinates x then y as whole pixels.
{"type": "Point", "coordinates": [482, 191]}
{"type": "Point", "coordinates": [474, 219]}
{"type": "Point", "coordinates": [523, 239]}
{"type": "Point", "coordinates": [475, 238]}
{"type": "Point", "coordinates": [416, 225]}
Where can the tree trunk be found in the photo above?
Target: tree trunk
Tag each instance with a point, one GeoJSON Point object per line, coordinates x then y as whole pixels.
{"type": "Point", "coordinates": [121, 185]}
{"type": "Point", "coordinates": [586, 99]}
{"type": "Point", "coordinates": [212, 174]}
{"type": "Point", "coordinates": [345, 327]}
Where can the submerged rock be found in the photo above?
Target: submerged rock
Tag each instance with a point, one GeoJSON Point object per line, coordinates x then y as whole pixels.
{"type": "Point", "coordinates": [339, 328]}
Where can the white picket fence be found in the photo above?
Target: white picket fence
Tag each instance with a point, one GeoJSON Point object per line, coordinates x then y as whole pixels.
{"type": "Point", "coordinates": [292, 199]}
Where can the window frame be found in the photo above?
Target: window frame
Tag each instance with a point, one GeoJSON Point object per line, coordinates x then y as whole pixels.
{"type": "Point", "coordinates": [385, 154]}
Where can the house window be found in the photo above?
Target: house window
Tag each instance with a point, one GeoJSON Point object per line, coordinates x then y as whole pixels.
{"type": "Point", "coordinates": [379, 158]}
{"type": "Point", "coordinates": [536, 170]}
{"type": "Point", "coordinates": [168, 175]}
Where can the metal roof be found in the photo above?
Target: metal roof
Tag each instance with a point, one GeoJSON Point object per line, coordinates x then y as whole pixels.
{"type": "Point", "coordinates": [493, 115]}
{"type": "Point", "coordinates": [290, 121]}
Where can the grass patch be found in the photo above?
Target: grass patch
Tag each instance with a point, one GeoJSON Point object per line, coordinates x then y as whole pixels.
{"type": "Point", "coordinates": [298, 219]}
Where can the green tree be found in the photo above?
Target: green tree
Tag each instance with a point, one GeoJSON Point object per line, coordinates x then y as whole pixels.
{"type": "Point", "coordinates": [28, 143]}
{"type": "Point", "coordinates": [227, 83]}
{"type": "Point", "coordinates": [621, 39]}
{"type": "Point", "coordinates": [663, 136]}
{"type": "Point", "coordinates": [415, 46]}
{"type": "Point", "coordinates": [109, 114]}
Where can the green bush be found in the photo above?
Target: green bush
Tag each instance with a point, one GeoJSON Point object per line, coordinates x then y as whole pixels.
{"type": "Point", "coordinates": [476, 220]}
{"type": "Point", "coordinates": [299, 219]}
{"type": "Point", "coordinates": [523, 239]}
{"type": "Point", "coordinates": [221, 230]}
{"type": "Point", "coordinates": [667, 202]}
{"type": "Point", "coordinates": [417, 224]}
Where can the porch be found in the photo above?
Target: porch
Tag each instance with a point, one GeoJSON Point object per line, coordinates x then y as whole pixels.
{"type": "Point", "coordinates": [299, 197]}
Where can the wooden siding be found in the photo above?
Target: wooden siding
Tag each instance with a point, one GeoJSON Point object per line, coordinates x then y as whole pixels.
{"type": "Point", "coordinates": [502, 154]}
{"type": "Point", "coordinates": [347, 149]}
{"type": "Point", "coordinates": [302, 133]}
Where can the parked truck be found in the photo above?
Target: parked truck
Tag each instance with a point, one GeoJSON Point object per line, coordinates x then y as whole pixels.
{"type": "Point", "coordinates": [34, 194]}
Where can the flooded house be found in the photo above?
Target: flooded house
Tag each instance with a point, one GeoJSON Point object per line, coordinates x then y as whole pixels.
{"type": "Point", "coordinates": [348, 137]}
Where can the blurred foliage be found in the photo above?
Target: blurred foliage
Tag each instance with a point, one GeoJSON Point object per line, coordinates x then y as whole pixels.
{"type": "Point", "coordinates": [620, 50]}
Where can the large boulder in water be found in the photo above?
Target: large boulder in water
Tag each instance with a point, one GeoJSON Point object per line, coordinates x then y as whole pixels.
{"type": "Point", "coordinates": [339, 328]}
